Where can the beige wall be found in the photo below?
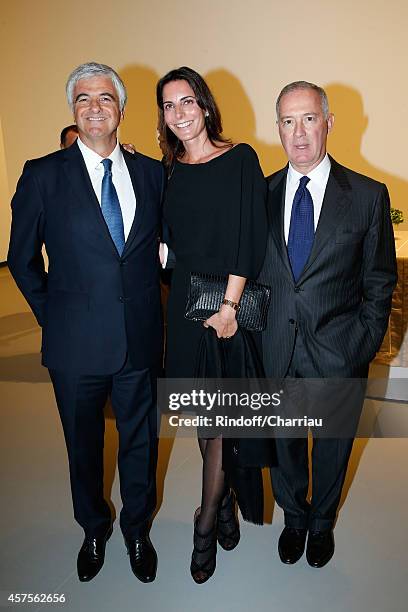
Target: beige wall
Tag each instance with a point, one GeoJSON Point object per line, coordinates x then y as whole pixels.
{"type": "Point", "coordinates": [357, 49]}
{"type": "Point", "coordinates": [5, 215]}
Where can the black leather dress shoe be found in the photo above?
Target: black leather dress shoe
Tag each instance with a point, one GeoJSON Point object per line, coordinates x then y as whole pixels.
{"type": "Point", "coordinates": [291, 544]}
{"type": "Point", "coordinates": [320, 548]}
{"type": "Point", "coordinates": [143, 558]}
{"type": "Point", "coordinates": [91, 556]}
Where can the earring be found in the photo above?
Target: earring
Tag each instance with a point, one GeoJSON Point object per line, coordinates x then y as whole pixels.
{"type": "Point", "coordinates": [207, 114]}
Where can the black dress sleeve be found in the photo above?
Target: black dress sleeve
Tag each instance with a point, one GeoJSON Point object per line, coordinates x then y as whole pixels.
{"type": "Point", "coordinates": [251, 228]}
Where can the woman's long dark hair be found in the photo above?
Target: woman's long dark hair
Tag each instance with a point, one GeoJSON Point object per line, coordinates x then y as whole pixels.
{"type": "Point", "coordinates": [171, 146]}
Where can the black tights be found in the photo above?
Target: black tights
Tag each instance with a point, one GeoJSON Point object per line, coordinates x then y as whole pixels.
{"type": "Point", "coordinates": [214, 488]}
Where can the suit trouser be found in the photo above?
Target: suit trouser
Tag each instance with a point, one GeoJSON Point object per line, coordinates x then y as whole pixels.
{"type": "Point", "coordinates": [81, 400]}
{"type": "Point", "coordinates": [330, 456]}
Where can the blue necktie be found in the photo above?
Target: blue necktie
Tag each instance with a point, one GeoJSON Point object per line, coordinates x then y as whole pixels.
{"type": "Point", "coordinates": [111, 208]}
{"type": "Point", "coordinates": [301, 230]}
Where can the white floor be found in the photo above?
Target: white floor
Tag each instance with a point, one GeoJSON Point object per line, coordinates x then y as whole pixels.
{"type": "Point", "coordinates": [39, 540]}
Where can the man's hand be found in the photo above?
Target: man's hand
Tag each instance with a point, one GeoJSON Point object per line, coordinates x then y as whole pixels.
{"type": "Point", "coordinates": [129, 147]}
{"type": "Point", "coordinates": [162, 255]}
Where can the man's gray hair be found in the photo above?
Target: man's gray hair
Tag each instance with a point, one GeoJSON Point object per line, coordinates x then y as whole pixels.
{"type": "Point", "coordinates": [92, 69]}
{"type": "Point", "coordinates": [304, 85]}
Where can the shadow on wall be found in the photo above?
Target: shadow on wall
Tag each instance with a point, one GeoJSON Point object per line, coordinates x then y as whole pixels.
{"type": "Point", "coordinates": [239, 119]}
{"type": "Point", "coordinates": [15, 326]}
{"type": "Point", "coordinates": [23, 367]}
{"type": "Point", "coordinates": [346, 139]}
{"type": "Point", "coordinates": [139, 125]}
{"type": "Point", "coordinates": [239, 124]}
{"type": "Point", "coordinates": [344, 142]}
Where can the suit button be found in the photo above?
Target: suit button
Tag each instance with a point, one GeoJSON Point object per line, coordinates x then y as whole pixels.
{"type": "Point", "coordinates": [121, 299]}
{"type": "Point", "coordinates": [292, 321]}
{"type": "Point", "coordinates": [123, 263]}
{"type": "Point", "coordinates": [297, 289]}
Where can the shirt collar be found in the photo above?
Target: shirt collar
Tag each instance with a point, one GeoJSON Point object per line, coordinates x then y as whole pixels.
{"type": "Point", "coordinates": [93, 160]}
{"type": "Point", "coordinates": [318, 175]}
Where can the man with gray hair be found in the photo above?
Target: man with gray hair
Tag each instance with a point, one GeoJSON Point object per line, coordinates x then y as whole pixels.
{"type": "Point", "coordinates": [331, 263]}
{"type": "Point", "coordinates": [97, 210]}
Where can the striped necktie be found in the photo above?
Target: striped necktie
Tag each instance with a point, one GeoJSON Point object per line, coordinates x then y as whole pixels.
{"type": "Point", "coordinates": [111, 208]}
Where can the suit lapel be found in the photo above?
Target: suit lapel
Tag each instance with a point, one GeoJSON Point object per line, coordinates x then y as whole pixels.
{"type": "Point", "coordinates": [336, 202]}
{"type": "Point", "coordinates": [137, 178]}
{"type": "Point", "coordinates": [276, 209]}
{"type": "Point", "coordinates": [78, 177]}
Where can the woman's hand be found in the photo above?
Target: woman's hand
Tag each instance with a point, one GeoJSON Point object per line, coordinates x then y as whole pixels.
{"type": "Point", "coordinates": [223, 321]}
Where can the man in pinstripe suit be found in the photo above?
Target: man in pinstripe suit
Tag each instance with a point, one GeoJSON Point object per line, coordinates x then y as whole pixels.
{"type": "Point", "coordinates": [328, 317]}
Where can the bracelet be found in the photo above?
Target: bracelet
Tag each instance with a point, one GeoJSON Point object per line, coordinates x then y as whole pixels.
{"type": "Point", "coordinates": [233, 305]}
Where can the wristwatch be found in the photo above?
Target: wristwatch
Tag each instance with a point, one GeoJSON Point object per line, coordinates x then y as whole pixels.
{"type": "Point", "coordinates": [233, 305]}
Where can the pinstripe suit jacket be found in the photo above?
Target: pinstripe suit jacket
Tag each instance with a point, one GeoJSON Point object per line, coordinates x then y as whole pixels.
{"type": "Point", "coordinates": [341, 303]}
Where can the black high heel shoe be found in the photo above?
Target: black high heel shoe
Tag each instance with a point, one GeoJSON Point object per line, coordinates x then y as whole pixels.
{"type": "Point", "coordinates": [203, 559]}
{"type": "Point", "coordinates": [228, 533]}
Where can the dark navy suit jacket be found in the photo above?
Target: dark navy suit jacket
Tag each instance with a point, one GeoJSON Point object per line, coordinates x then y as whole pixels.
{"type": "Point", "coordinates": [94, 306]}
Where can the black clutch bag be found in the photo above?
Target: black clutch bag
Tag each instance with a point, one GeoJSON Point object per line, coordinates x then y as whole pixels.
{"type": "Point", "coordinates": [207, 292]}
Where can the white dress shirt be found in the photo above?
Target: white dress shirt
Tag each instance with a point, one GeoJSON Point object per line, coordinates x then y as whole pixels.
{"type": "Point", "coordinates": [317, 187]}
{"type": "Point", "coordinates": [120, 178]}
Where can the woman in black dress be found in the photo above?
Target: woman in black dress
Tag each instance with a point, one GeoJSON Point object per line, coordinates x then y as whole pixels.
{"type": "Point", "coordinates": [216, 218]}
